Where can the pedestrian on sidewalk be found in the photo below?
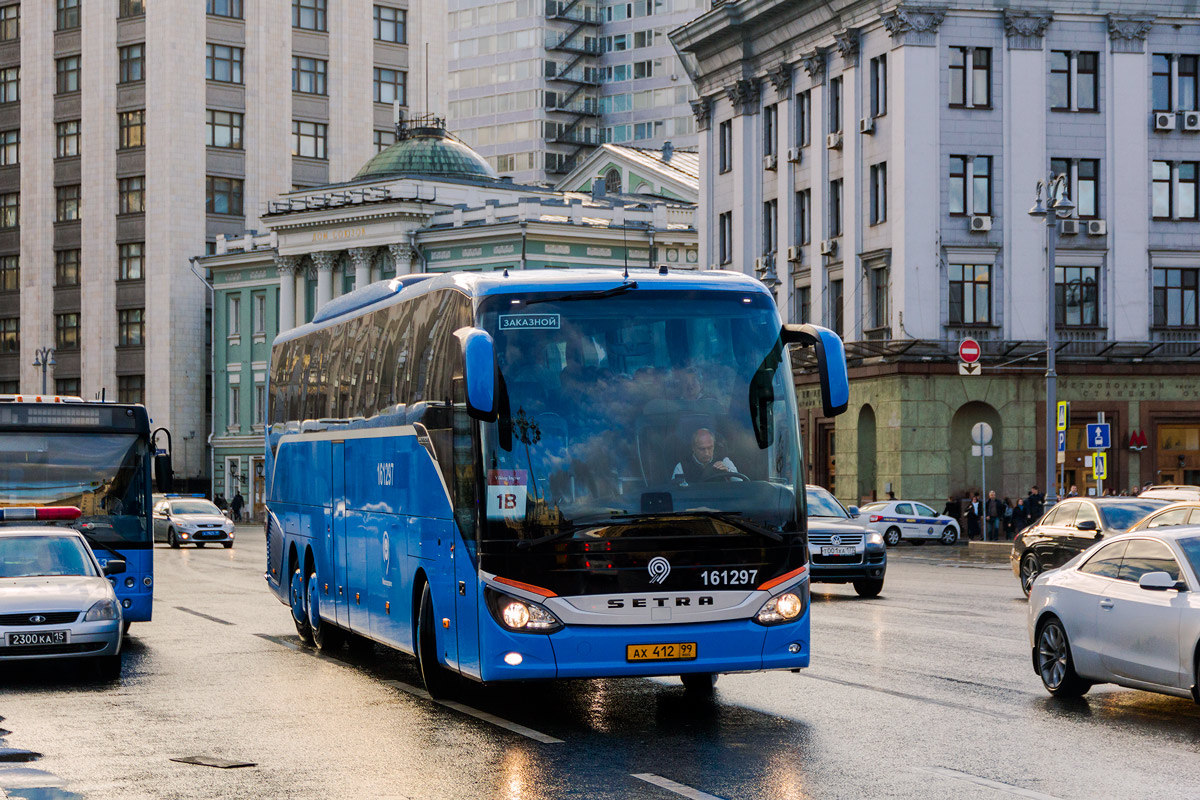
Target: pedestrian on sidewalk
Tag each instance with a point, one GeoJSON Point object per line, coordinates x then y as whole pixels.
{"type": "Point", "coordinates": [236, 506]}
{"type": "Point", "coordinates": [995, 516]}
{"type": "Point", "coordinates": [974, 517]}
{"type": "Point", "coordinates": [1008, 518]}
{"type": "Point", "coordinates": [1020, 517]}
{"type": "Point", "coordinates": [1033, 504]}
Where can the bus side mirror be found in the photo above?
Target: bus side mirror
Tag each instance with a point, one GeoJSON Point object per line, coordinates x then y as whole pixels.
{"type": "Point", "coordinates": [479, 364]}
{"type": "Point", "coordinates": [831, 363]}
{"type": "Point", "coordinates": [164, 479]}
{"type": "Point", "coordinates": [114, 566]}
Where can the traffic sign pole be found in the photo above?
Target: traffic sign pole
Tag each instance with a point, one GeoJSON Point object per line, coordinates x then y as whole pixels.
{"type": "Point", "coordinates": [1101, 474]}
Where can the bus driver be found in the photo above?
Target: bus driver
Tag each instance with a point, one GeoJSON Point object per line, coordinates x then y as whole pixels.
{"type": "Point", "coordinates": [700, 463]}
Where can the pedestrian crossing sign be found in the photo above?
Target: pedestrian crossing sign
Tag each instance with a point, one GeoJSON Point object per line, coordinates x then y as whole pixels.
{"type": "Point", "coordinates": [1100, 466]}
{"type": "Point", "coordinates": [1062, 415]}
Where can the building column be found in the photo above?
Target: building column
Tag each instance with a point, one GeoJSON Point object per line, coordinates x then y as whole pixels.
{"type": "Point", "coordinates": [361, 256]}
{"type": "Point", "coordinates": [324, 261]}
{"type": "Point", "coordinates": [403, 256]}
{"type": "Point", "coordinates": [286, 267]}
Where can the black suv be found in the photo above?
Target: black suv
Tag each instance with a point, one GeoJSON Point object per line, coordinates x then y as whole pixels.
{"type": "Point", "coordinates": [840, 548]}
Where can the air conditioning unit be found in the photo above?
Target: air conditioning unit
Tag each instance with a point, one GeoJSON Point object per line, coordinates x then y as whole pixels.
{"type": "Point", "coordinates": [1164, 121]}
{"type": "Point", "coordinates": [834, 141]}
{"type": "Point", "coordinates": [980, 223]}
{"type": "Point", "coordinates": [1069, 227]}
{"type": "Point", "coordinates": [829, 247]}
{"type": "Point", "coordinates": [794, 154]}
{"type": "Point", "coordinates": [771, 161]}
{"type": "Point", "coordinates": [866, 125]}
{"type": "Point", "coordinates": [794, 253]}
{"type": "Point", "coordinates": [1191, 120]}
{"type": "Point", "coordinates": [1097, 227]}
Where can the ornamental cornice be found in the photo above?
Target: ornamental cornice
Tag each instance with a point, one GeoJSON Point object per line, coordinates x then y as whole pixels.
{"type": "Point", "coordinates": [780, 76]}
{"type": "Point", "coordinates": [916, 25]}
{"type": "Point", "coordinates": [1128, 33]}
{"type": "Point", "coordinates": [743, 94]}
{"type": "Point", "coordinates": [1026, 29]}
{"type": "Point", "coordinates": [846, 43]}
{"type": "Point", "coordinates": [814, 65]}
{"type": "Point", "coordinates": [702, 111]}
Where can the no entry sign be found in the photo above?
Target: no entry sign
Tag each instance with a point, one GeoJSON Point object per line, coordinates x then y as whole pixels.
{"type": "Point", "coordinates": [969, 351]}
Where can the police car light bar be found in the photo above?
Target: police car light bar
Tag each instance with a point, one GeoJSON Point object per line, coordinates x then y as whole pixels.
{"type": "Point", "coordinates": [47, 513]}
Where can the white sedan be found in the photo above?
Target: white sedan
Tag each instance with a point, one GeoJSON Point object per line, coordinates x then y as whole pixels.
{"type": "Point", "coordinates": [905, 519]}
{"type": "Point", "coordinates": [1125, 611]}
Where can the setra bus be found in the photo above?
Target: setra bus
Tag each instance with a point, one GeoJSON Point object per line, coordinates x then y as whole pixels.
{"type": "Point", "coordinates": [95, 456]}
{"type": "Point", "coordinates": [547, 474]}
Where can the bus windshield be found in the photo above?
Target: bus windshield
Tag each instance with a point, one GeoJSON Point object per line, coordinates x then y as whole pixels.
{"type": "Point", "coordinates": [642, 403]}
{"type": "Point", "coordinates": [103, 474]}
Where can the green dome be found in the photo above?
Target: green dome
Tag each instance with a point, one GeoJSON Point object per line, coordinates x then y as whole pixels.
{"type": "Point", "coordinates": [428, 151]}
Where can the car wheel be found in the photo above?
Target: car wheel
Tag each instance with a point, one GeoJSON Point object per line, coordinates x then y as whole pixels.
{"type": "Point", "coordinates": [227, 545]}
{"type": "Point", "coordinates": [699, 684]}
{"type": "Point", "coordinates": [200, 545]}
{"type": "Point", "coordinates": [125, 626]}
{"type": "Point", "coordinates": [1030, 569]}
{"type": "Point", "coordinates": [868, 587]}
{"type": "Point", "coordinates": [299, 614]}
{"type": "Point", "coordinates": [436, 677]}
{"type": "Point", "coordinates": [1054, 662]}
{"type": "Point", "coordinates": [171, 539]}
{"type": "Point", "coordinates": [892, 537]}
{"type": "Point", "coordinates": [326, 636]}
{"type": "Point", "coordinates": [949, 535]}
{"type": "Point", "coordinates": [107, 668]}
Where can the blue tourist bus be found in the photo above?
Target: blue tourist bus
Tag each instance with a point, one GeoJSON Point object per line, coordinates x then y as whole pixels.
{"type": "Point", "coordinates": [59, 451]}
{"type": "Point", "coordinates": [547, 474]}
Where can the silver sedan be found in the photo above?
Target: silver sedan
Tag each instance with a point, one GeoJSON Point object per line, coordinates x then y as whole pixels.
{"type": "Point", "coordinates": [1125, 611]}
{"type": "Point", "coordinates": [55, 601]}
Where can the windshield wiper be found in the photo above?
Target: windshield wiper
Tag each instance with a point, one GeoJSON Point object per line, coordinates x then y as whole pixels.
{"type": "Point", "coordinates": [595, 294]}
{"type": "Point", "coordinates": [97, 543]}
{"type": "Point", "coordinates": [563, 533]}
{"type": "Point", "coordinates": [734, 518]}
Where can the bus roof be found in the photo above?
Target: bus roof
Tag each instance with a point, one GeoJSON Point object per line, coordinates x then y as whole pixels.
{"type": "Point", "coordinates": [45, 413]}
{"type": "Point", "coordinates": [484, 284]}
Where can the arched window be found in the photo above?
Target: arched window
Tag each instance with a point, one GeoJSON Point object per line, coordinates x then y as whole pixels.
{"type": "Point", "coordinates": [612, 182]}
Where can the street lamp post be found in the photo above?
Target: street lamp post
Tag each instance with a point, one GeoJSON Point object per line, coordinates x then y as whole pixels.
{"type": "Point", "coordinates": [1058, 204]}
{"type": "Point", "coordinates": [44, 357]}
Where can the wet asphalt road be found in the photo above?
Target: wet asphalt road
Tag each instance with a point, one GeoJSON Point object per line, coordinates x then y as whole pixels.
{"type": "Point", "coordinates": [925, 692]}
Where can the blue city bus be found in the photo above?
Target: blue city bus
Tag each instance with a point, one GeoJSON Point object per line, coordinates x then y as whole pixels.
{"type": "Point", "coordinates": [547, 474]}
{"type": "Point", "coordinates": [60, 451]}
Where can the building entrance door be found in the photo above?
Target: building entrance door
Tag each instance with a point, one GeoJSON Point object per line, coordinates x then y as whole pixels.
{"type": "Point", "coordinates": [257, 485]}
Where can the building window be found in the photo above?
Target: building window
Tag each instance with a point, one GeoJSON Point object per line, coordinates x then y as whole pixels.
{"type": "Point", "coordinates": [66, 387]}
{"type": "Point", "coordinates": [725, 145]}
{"type": "Point", "coordinates": [66, 331]}
{"type": "Point", "coordinates": [981, 185]}
{"type": "Point", "coordinates": [10, 209]}
{"type": "Point", "coordinates": [725, 237]}
{"type": "Point", "coordinates": [10, 335]}
{"type": "Point", "coordinates": [836, 306]}
{"type": "Point", "coordinates": [308, 75]}
{"type": "Point", "coordinates": [385, 139]}
{"type": "Point", "coordinates": [770, 226]}
{"type": "Point", "coordinates": [235, 406]}
{"type": "Point", "coordinates": [10, 84]}
{"type": "Point", "coordinates": [131, 261]}
{"type": "Point", "coordinates": [68, 14]}
{"type": "Point", "coordinates": [770, 125]}
{"type": "Point", "coordinates": [878, 193]}
{"type": "Point", "coordinates": [1076, 297]}
{"type": "Point", "coordinates": [880, 307]}
{"type": "Point", "coordinates": [1161, 83]}
{"type": "Point", "coordinates": [975, 173]}
{"type": "Point", "coordinates": [66, 74]}
{"type": "Point", "coordinates": [131, 389]}
{"type": "Point", "coordinates": [133, 62]}
{"type": "Point", "coordinates": [131, 127]}
{"type": "Point", "coordinates": [804, 216]}
{"type": "Point", "coordinates": [260, 405]}
{"type": "Point", "coordinates": [223, 63]}
{"type": "Point", "coordinates": [1083, 182]}
{"type": "Point", "coordinates": [971, 77]}
{"type": "Point", "coordinates": [970, 294]}
{"type": "Point", "coordinates": [835, 208]}
{"type": "Point", "coordinates": [879, 86]}
{"type": "Point", "coordinates": [803, 305]}
{"type": "Point", "coordinates": [390, 86]}
{"type": "Point", "coordinates": [66, 268]}
{"type": "Point", "coordinates": [1187, 85]}
{"type": "Point", "coordinates": [1175, 293]}
{"type": "Point", "coordinates": [1178, 94]}
{"type": "Point", "coordinates": [258, 313]}
{"type": "Point", "coordinates": [66, 136]}
{"type": "Point", "coordinates": [1074, 80]}
{"type": "Point", "coordinates": [10, 22]}
{"type": "Point", "coordinates": [1175, 189]}
{"type": "Point", "coordinates": [223, 129]}
{"type": "Point", "coordinates": [10, 273]}
{"type": "Point", "coordinates": [309, 15]}
{"type": "Point", "coordinates": [132, 8]}
{"type": "Point", "coordinates": [225, 8]}
{"type": "Point", "coordinates": [223, 196]}
{"type": "Point", "coordinates": [308, 139]}
{"type": "Point", "coordinates": [804, 119]}
{"type": "Point", "coordinates": [66, 203]}
{"type": "Point", "coordinates": [235, 315]}
{"type": "Point", "coordinates": [390, 25]}
{"type": "Point", "coordinates": [835, 105]}
{"type": "Point", "coordinates": [131, 327]}
{"type": "Point", "coordinates": [10, 148]}
{"type": "Point", "coordinates": [131, 195]}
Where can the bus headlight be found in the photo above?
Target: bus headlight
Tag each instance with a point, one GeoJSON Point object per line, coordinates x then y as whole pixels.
{"type": "Point", "coordinates": [781, 608]}
{"type": "Point", "coordinates": [520, 615]}
{"type": "Point", "coordinates": [102, 610]}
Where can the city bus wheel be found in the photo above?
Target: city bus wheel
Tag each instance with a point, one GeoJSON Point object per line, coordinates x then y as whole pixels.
{"type": "Point", "coordinates": [171, 540]}
{"type": "Point", "coordinates": [699, 684]}
{"type": "Point", "coordinates": [437, 678]}
{"type": "Point", "coordinates": [892, 537]}
{"type": "Point", "coordinates": [299, 614]}
{"type": "Point", "coordinates": [326, 636]}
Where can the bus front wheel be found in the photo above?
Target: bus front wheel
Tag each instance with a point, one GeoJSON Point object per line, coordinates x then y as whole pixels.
{"type": "Point", "coordinates": [437, 678]}
{"type": "Point", "coordinates": [700, 684]}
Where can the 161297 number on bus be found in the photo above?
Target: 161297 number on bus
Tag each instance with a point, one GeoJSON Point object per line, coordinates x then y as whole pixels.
{"type": "Point", "coordinates": [728, 577]}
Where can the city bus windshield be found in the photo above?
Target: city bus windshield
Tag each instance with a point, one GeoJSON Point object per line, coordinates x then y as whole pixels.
{"type": "Point", "coordinates": [103, 474]}
{"type": "Point", "coordinates": [639, 404]}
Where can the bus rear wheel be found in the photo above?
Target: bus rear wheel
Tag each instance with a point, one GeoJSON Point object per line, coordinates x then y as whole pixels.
{"type": "Point", "coordinates": [299, 613]}
{"type": "Point", "coordinates": [437, 679]}
{"type": "Point", "coordinates": [326, 636]}
{"type": "Point", "coordinates": [699, 684]}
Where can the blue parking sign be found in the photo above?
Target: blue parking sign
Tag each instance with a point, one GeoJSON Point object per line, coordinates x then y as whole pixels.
{"type": "Point", "coordinates": [1098, 437]}
{"type": "Point", "coordinates": [1062, 441]}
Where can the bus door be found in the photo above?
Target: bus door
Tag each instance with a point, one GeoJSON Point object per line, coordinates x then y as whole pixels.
{"type": "Point", "coordinates": [466, 600]}
{"type": "Point", "coordinates": [335, 550]}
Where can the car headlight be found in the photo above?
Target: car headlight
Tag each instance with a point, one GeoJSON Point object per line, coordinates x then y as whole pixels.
{"type": "Point", "coordinates": [102, 610]}
{"type": "Point", "coordinates": [875, 538]}
{"type": "Point", "coordinates": [784, 607]}
{"type": "Point", "coordinates": [519, 615]}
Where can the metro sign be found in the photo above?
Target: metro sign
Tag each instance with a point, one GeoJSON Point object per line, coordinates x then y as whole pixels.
{"type": "Point", "coordinates": [969, 351]}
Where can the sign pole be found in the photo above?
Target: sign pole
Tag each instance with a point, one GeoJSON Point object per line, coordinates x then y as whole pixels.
{"type": "Point", "coordinates": [983, 500]}
{"type": "Point", "coordinates": [1100, 481]}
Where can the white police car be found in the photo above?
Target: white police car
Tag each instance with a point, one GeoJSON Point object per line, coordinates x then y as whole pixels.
{"type": "Point", "coordinates": [905, 519]}
{"type": "Point", "coordinates": [180, 520]}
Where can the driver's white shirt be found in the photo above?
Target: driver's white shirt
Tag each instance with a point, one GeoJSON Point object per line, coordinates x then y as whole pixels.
{"type": "Point", "coordinates": [679, 466]}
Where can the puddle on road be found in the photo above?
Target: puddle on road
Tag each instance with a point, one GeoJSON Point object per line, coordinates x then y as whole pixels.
{"type": "Point", "coordinates": [27, 783]}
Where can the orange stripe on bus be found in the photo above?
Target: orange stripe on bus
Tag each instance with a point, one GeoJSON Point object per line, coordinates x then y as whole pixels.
{"type": "Point", "coordinates": [771, 584]}
{"type": "Point", "coordinates": [529, 587]}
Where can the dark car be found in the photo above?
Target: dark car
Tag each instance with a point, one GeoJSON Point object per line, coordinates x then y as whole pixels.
{"type": "Point", "coordinates": [1072, 526]}
{"type": "Point", "coordinates": [840, 548]}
